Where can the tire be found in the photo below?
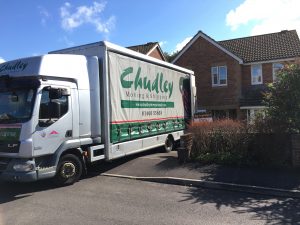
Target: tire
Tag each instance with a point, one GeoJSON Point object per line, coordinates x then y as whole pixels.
{"type": "Point", "coordinates": [169, 144]}
{"type": "Point", "coordinates": [69, 170]}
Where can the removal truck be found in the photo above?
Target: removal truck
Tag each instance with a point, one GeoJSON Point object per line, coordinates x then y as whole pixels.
{"type": "Point", "coordinates": [67, 109]}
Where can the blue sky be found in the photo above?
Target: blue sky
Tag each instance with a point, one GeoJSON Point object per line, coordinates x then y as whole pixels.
{"type": "Point", "coordinates": [34, 27]}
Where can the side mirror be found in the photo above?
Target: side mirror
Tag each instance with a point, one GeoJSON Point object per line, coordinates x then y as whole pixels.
{"type": "Point", "coordinates": [57, 93]}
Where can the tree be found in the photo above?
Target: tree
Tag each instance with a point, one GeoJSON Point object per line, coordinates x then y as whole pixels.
{"type": "Point", "coordinates": [170, 56]}
{"type": "Point", "coordinates": [283, 100]}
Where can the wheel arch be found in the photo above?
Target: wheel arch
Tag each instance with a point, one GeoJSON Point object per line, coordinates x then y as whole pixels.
{"type": "Point", "coordinates": [171, 136]}
{"type": "Point", "coordinates": [71, 147]}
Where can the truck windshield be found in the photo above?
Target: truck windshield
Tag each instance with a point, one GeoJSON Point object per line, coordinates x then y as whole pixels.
{"type": "Point", "coordinates": [16, 105]}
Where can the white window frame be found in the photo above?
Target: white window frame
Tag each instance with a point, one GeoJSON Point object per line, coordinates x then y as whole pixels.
{"type": "Point", "coordinates": [252, 75]}
{"type": "Point", "coordinates": [275, 69]}
{"type": "Point", "coordinates": [218, 84]}
{"type": "Point", "coordinates": [252, 111]}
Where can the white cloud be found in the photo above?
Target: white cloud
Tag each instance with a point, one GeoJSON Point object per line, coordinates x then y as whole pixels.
{"type": "Point", "coordinates": [162, 43]}
{"type": "Point", "coordinates": [72, 19]}
{"type": "Point", "coordinates": [180, 45]}
{"type": "Point", "coordinates": [45, 15]}
{"type": "Point", "coordinates": [2, 60]}
{"type": "Point", "coordinates": [267, 16]}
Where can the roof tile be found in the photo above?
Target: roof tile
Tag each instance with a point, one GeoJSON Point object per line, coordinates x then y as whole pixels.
{"type": "Point", "coordinates": [144, 49]}
{"type": "Point", "coordinates": [281, 45]}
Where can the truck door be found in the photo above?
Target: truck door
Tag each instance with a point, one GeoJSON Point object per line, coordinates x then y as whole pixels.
{"type": "Point", "coordinates": [55, 120]}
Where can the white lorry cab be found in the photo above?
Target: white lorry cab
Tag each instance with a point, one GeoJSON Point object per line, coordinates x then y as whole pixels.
{"type": "Point", "coordinates": [62, 111]}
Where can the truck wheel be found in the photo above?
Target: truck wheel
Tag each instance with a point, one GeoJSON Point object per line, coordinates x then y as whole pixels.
{"type": "Point", "coordinates": [69, 170]}
{"type": "Point", "coordinates": [169, 144]}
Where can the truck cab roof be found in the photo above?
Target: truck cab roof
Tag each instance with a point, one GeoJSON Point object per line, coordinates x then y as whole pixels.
{"type": "Point", "coordinates": [50, 65]}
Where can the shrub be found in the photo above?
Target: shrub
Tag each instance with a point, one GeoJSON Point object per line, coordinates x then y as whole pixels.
{"type": "Point", "coordinates": [272, 142]}
{"type": "Point", "coordinates": [222, 141]}
{"type": "Point", "coordinates": [283, 101]}
{"type": "Point", "coordinates": [235, 143]}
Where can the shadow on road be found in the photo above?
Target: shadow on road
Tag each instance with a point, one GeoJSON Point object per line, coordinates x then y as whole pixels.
{"type": "Point", "coordinates": [11, 191]}
{"type": "Point", "coordinates": [269, 209]}
{"type": "Point", "coordinates": [266, 208]}
{"type": "Point", "coordinates": [265, 177]}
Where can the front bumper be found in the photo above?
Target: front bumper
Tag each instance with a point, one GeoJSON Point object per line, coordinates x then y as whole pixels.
{"type": "Point", "coordinates": [8, 173]}
{"type": "Point", "coordinates": [8, 170]}
{"type": "Point", "coordinates": [19, 176]}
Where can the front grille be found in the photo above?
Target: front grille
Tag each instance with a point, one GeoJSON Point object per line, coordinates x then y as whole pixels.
{"type": "Point", "coordinates": [4, 163]}
{"type": "Point", "coordinates": [9, 146]}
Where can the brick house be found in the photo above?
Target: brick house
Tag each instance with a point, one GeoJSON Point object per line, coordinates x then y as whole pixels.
{"type": "Point", "coordinates": [151, 49]}
{"type": "Point", "coordinates": [231, 75]}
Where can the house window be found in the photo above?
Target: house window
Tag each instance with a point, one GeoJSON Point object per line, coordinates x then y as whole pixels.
{"type": "Point", "coordinates": [256, 74]}
{"type": "Point", "coordinates": [276, 68]}
{"type": "Point", "coordinates": [219, 75]}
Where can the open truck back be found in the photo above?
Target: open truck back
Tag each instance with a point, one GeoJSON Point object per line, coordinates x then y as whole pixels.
{"type": "Point", "coordinates": [88, 103]}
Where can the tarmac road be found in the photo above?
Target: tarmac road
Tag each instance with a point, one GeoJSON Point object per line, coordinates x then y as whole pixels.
{"type": "Point", "coordinates": [107, 200]}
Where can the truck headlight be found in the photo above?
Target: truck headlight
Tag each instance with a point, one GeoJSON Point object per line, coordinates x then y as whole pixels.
{"type": "Point", "coordinates": [23, 167]}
